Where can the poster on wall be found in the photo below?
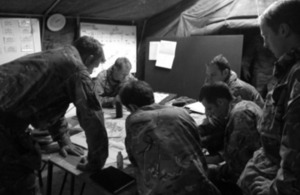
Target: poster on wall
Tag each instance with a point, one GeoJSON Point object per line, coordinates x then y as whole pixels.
{"type": "Point", "coordinates": [18, 37]}
{"type": "Point", "coordinates": [117, 40]}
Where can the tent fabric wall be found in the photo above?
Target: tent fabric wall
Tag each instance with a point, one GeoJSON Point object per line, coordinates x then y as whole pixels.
{"type": "Point", "coordinates": [154, 18]}
{"type": "Point", "coordinates": [236, 15]}
{"type": "Point", "coordinates": [116, 10]}
{"type": "Point", "coordinates": [201, 14]}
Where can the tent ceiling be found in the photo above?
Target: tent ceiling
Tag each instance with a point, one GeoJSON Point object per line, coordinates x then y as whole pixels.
{"type": "Point", "coordinates": [119, 10]}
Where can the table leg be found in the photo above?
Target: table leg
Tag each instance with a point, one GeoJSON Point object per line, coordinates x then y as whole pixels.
{"type": "Point", "coordinates": [49, 178]}
{"type": "Point", "coordinates": [72, 184]}
{"type": "Point", "coordinates": [63, 183]}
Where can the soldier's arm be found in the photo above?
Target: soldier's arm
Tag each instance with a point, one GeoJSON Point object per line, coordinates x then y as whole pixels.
{"type": "Point", "coordinates": [89, 112]}
{"type": "Point", "coordinates": [241, 140]}
{"type": "Point", "coordinates": [288, 176]}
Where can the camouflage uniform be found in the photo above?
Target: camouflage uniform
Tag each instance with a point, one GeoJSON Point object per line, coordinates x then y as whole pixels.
{"type": "Point", "coordinates": [241, 139]}
{"type": "Point", "coordinates": [163, 143]}
{"type": "Point", "coordinates": [244, 90]}
{"type": "Point", "coordinates": [278, 161]}
{"type": "Point", "coordinates": [212, 130]}
{"type": "Point", "coordinates": [260, 61]}
{"type": "Point", "coordinates": [37, 89]}
{"type": "Point", "coordinates": [107, 87]}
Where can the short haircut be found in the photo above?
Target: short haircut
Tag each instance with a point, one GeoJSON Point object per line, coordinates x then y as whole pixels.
{"type": "Point", "coordinates": [89, 46]}
{"type": "Point", "coordinates": [214, 91]}
{"type": "Point", "coordinates": [283, 11]}
{"type": "Point", "coordinates": [122, 62]}
{"type": "Point", "coordinates": [136, 92]}
{"type": "Point", "coordinates": [221, 62]}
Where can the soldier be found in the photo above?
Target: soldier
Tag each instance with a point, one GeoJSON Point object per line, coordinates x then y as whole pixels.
{"type": "Point", "coordinates": [275, 168]}
{"type": "Point", "coordinates": [162, 143]}
{"type": "Point", "coordinates": [36, 90]}
{"type": "Point", "coordinates": [240, 137]}
{"type": "Point", "coordinates": [108, 82]}
{"type": "Point", "coordinates": [219, 70]}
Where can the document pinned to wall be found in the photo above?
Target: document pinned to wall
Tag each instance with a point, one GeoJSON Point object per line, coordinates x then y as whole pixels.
{"type": "Point", "coordinates": [153, 50]}
{"type": "Point", "coordinates": [117, 40]}
{"type": "Point", "coordinates": [166, 54]}
{"type": "Point", "coordinates": [18, 37]}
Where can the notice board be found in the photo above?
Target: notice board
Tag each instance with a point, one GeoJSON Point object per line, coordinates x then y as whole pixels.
{"type": "Point", "coordinates": [192, 54]}
{"type": "Point", "coordinates": [18, 37]}
{"type": "Point", "coordinates": [118, 41]}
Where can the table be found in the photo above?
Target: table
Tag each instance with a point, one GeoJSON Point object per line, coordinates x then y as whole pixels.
{"type": "Point", "coordinates": [68, 164]}
{"type": "Point", "coordinates": [116, 133]}
{"type": "Point", "coordinates": [115, 126]}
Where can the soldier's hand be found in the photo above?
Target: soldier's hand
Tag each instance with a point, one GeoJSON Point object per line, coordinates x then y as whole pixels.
{"type": "Point", "coordinates": [67, 147]}
{"type": "Point", "coordinates": [260, 186]}
{"type": "Point", "coordinates": [71, 149]}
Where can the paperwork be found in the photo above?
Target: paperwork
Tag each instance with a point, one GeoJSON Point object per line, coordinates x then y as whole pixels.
{"type": "Point", "coordinates": [196, 107]}
{"type": "Point", "coordinates": [114, 147]}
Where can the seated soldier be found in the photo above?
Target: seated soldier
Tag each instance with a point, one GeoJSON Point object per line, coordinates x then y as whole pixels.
{"type": "Point", "coordinates": [108, 82]}
{"type": "Point", "coordinates": [162, 142]}
{"type": "Point", "coordinates": [219, 70]}
{"type": "Point", "coordinates": [240, 137]}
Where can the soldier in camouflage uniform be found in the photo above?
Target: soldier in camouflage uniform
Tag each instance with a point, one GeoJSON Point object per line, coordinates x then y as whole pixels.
{"type": "Point", "coordinates": [241, 137]}
{"type": "Point", "coordinates": [163, 144]}
{"type": "Point", "coordinates": [219, 70]}
{"type": "Point", "coordinates": [257, 62]}
{"type": "Point", "coordinates": [36, 90]}
{"type": "Point", "coordinates": [275, 168]}
{"type": "Point", "coordinates": [108, 82]}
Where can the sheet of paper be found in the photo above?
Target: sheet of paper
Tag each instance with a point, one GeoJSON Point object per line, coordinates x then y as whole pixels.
{"type": "Point", "coordinates": [79, 139]}
{"type": "Point", "coordinates": [113, 147]}
{"type": "Point", "coordinates": [196, 107]}
{"type": "Point", "coordinates": [166, 54]}
{"type": "Point", "coordinates": [158, 97]}
{"type": "Point", "coordinates": [153, 49]}
{"type": "Point", "coordinates": [18, 37]}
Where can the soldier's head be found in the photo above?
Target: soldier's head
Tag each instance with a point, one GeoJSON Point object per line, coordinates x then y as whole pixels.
{"type": "Point", "coordinates": [91, 52]}
{"type": "Point", "coordinates": [216, 98]}
{"type": "Point", "coordinates": [280, 27]}
{"type": "Point", "coordinates": [218, 69]}
{"type": "Point", "coordinates": [135, 94]}
{"type": "Point", "coordinates": [121, 69]}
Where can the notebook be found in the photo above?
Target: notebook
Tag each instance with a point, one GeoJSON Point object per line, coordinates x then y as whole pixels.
{"type": "Point", "coordinates": [113, 179]}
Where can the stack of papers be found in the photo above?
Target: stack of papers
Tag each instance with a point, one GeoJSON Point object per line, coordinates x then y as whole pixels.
{"type": "Point", "coordinates": [196, 107]}
{"type": "Point", "coordinates": [158, 97]}
{"type": "Point", "coordinates": [163, 98]}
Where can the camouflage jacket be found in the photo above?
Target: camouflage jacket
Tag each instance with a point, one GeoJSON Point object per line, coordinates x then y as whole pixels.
{"type": "Point", "coordinates": [236, 139]}
{"type": "Point", "coordinates": [244, 90]}
{"type": "Point", "coordinates": [278, 161]}
{"type": "Point", "coordinates": [38, 88]}
{"type": "Point", "coordinates": [241, 137]}
{"type": "Point", "coordinates": [107, 87]}
{"type": "Point", "coordinates": [163, 143]}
